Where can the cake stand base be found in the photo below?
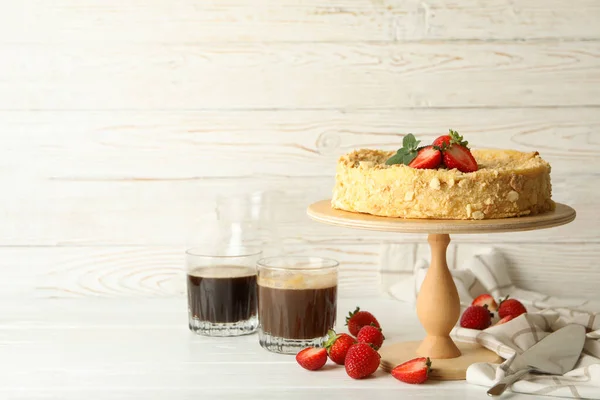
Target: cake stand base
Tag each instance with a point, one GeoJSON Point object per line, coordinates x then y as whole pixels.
{"type": "Point", "coordinates": [448, 369]}
{"type": "Point", "coordinates": [438, 305]}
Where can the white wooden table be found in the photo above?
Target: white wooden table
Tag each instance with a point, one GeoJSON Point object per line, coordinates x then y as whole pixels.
{"type": "Point", "coordinates": [142, 349]}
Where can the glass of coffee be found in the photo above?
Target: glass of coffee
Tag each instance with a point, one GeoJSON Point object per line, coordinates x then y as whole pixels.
{"type": "Point", "coordinates": [297, 302]}
{"type": "Point", "coordinates": [221, 287]}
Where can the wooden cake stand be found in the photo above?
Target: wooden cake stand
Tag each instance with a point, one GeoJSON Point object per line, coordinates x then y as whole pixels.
{"type": "Point", "coordinates": [438, 305]}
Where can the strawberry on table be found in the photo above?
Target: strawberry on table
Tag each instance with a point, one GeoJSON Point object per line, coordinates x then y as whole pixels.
{"type": "Point", "coordinates": [476, 317]}
{"type": "Point", "coordinates": [413, 371]}
{"type": "Point", "coordinates": [486, 300]}
{"type": "Point", "coordinates": [512, 307]}
{"type": "Point", "coordinates": [504, 320]}
{"type": "Point", "coordinates": [362, 360]}
{"type": "Point", "coordinates": [357, 319]}
{"type": "Point", "coordinates": [428, 157]}
{"type": "Point", "coordinates": [371, 334]}
{"type": "Point", "coordinates": [337, 346]}
{"type": "Point", "coordinates": [312, 358]}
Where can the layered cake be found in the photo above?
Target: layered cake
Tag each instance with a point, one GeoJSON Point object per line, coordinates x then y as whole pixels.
{"type": "Point", "coordinates": [445, 180]}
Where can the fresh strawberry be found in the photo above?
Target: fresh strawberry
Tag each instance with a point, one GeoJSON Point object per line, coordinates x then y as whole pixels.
{"type": "Point", "coordinates": [456, 153]}
{"type": "Point", "coordinates": [442, 141]}
{"type": "Point", "coordinates": [338, 345]}
{"type": "Point", "coordinates": [428, 157]}
{"type": "Point", "coordinates": [413, 371]}
{"type": "Point", "coordinates": [312, 358]}
{"type": "Point", "coordinates": [361, 361]}
{"type": "Point", "coordinates": [371, 334]}
{"type": "Point", "coordinates": [453, 137]}
{"type": "Point", "coordinates": [357, 319]}
{"type": "Point", "coordinates": [486, 300]}
{"type": "Point", "coordinates": [511, 307]}
{"type": "Point", "coordinates": [476, 317]}
{"type": "Point", "coordinates": [460, 157]}
{"type": "Point", "coordinates": [504, 320]}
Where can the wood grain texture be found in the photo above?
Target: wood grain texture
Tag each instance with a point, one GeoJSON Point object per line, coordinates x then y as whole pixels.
{"type": "Point", "coordinates": [76, 272]}
{"type": "Point", "coordinates": [129, 272]}
{"type": "Point", "coordinates": [155, 108]}
{"type": "Point", "coordinates": [142, 349]}
{"type": "Point", "coordinates": [449, 369]}
{"type": "Point", "coordinates": [177, 145]}
{"type": "Point", "coordinates": [321, 211]}
{"type": "Point", "coordinates": [166, 389]}
{"type": "Point", "coordinates": [149, 178]}
{"type": "Point", "coordinates": [175, 213]}
{"type": "Point", "coordinates": [544, 266]}
{"type": "Point", "coordinates": [547, 268]}
{"type": "Point", "coordinates": [299, 75]}
{"type": "Point", "coordinates": [288, 20]}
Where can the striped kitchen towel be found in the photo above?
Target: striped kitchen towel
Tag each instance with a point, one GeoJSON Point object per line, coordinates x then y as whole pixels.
{"type": "Point", "coordinates": [486, 272]}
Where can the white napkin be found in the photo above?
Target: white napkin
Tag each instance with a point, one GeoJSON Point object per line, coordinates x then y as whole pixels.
{"type": "Point", "coordinates": [486, 273]}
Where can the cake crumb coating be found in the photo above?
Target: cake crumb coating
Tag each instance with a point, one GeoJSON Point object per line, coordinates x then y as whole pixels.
{"type": "Point", "coordinates": [509, 183]}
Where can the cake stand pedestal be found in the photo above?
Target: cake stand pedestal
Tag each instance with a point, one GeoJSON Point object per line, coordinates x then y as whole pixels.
{"type": "Point", "coordinates": [438, 305]}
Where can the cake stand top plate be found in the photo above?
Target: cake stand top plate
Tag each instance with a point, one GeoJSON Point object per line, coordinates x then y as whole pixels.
{"type": "Point", "coordinates": [321, 211]}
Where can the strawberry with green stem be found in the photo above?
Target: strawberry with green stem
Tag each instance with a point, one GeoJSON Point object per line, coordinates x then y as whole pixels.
{"type": "Point", "coordinates": [357, 319]}
{"type": "Point", "coordinates": [512, 307]}
{"type": "Point", "coordinates": [451, 138]}
{"type": "Point", "coordinates": [372, 335]}
{"type": "Point", "coordinates": [451, 150]}
{"type": "Point", "coordinates": [337, 346]}
{"type": "Point", "coordinates": [456, 153]}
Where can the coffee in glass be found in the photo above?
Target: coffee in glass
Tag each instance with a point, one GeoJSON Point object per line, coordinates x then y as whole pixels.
{"type": "Point", "coordinates": [221, 287]}
{"type": "Point", "coordinates": [297, 302]}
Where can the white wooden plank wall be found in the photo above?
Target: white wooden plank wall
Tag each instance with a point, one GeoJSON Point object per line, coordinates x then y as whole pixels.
{"type": "Point", "coordinates": [121, 123]}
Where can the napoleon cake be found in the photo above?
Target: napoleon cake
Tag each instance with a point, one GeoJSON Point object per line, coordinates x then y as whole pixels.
{"type": "Point", "coordinates": [445, 180]}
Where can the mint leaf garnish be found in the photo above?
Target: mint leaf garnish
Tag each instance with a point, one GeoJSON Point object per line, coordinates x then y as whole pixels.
{"type": "Point", "coordinates": [401, 157]}
{"type": "Point", "coordinates": [407, 153]}
{"type": "Point", "coordinates": [410, 142]}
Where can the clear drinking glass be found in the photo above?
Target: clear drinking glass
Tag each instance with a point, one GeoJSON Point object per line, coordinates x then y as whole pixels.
{"type": "Point", "coordinates": [221, 287]}
{"type": "Point", "coordinates": [297, 302]}
{"type": "Point", "coordinates": [251, 219]}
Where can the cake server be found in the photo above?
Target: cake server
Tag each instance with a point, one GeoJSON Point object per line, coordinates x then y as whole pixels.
{"type": "Point", "coordinates": [555, 354]}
